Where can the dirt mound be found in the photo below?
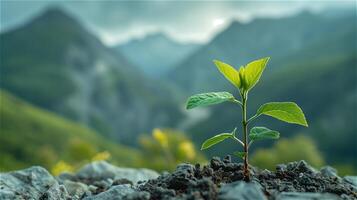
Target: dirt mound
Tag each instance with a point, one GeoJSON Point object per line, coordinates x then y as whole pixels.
{"type": "Point", "coordinates": [196, 182]}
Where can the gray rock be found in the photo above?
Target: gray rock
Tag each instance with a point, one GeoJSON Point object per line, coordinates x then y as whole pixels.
{"type": "Point", "coordinates": [114, 193]}
{"type": "Point", "coordinates": [351, 180]}
{"type": "Point", "coordinates": [56, 192]}
{"type": "Point", "coordinates": [138, 196]}
{"type": "Point", "coordinates": [329, 171]}
{"type": "Point", "coordinates": [103, 183]}
{"type": "Point", "coordinates": [66, 176]}
{"type": "Point", "coordinates": [102, 170]}
{"type": "Point", "coordinates": [30, 183]}
{"type": "Point", "coordinates": [92, 188]}
{"type": "Point", "coordinates": [241, 190]}
{"type": "Point", "coordinates": [76, 189]}
{"type": "Point", "coordinates": [306, 196]}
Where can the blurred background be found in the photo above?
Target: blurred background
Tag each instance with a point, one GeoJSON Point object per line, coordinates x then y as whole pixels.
{"type": "Point", "coordinates": [83, 81]}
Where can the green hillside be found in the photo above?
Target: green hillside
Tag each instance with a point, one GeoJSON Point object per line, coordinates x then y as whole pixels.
{"type": "Point", "coordinates": [53, 62]}
{"type": "Point", "coordinates": [32, 136]}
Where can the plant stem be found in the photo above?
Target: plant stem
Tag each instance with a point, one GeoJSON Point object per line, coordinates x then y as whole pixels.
{"type": "Point", "coordinates": [246, 173]}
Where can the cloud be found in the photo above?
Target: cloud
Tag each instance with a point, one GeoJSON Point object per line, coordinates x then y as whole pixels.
{"type": "Point", "coordinates": [183, 20]}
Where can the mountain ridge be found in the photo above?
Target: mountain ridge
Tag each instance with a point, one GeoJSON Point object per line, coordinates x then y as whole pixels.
{"type": "Point", "coordinates": [156, 53]}
{"type": "Point", "coordinates": [64, 68]}
{"type": "Point", "coordinates": [237, 45]}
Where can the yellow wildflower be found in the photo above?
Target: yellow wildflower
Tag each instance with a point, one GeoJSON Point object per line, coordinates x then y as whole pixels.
{"type": "Point", "coordinates": [187, 148]}
{"type": "Point", "coordinates": [160, 137]}
{"type": "Point", "coordinates": [105, 155]}
{"type": "Point", "coordinates": [60, 167]}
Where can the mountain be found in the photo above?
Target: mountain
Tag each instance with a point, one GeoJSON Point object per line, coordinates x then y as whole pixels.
{"type": "Point", "coordinates": [313, 62]}
{"type": "Point", "coordinates": [33, 136]}
{"type": "Point", "coordinates": [55, 63]}
{"type": "Point", "coordinates": [155, 54]}
{"type": "Point", "coordinates": [277, 38]}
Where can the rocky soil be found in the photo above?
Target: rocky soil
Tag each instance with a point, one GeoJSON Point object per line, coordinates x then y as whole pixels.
{"type": "Point", "coordinates": [220, 179]}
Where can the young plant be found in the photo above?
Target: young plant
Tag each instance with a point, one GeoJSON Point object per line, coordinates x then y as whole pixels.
{"type": "Point", "coordinates": [244, 80]}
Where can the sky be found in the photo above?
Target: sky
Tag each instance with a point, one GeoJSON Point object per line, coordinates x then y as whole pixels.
{"type": "Point", "coordinates": [184, 21]}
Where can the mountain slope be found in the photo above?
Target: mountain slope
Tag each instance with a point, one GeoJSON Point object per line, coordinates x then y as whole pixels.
{"type": "Point", "coordinates": [32, 136]}
{"type": "Point", "coordinates": [277, 38]}
{"type": "Point", "coordinates": [155, 54]}
{"type": "Point", "coordinates": [54, 63]}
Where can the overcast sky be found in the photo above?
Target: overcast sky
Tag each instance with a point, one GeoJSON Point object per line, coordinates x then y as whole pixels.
{"type": "Point", "coordinates": [186, 21]}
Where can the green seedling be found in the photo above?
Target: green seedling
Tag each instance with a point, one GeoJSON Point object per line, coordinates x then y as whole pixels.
{"type": "Point", "coordinates": [244, 80]}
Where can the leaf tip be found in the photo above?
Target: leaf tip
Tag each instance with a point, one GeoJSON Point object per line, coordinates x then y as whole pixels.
{"type": "Point", "coordinates": [306, 124]}
{"type": "Point", "coordinates": [266, 60]}
{"type": "Point", "coordinates": [302, 123]}
{"type": "Point", "coordinates": [188, 105]}
{"type": "Point", "coordinates": [216, 62]}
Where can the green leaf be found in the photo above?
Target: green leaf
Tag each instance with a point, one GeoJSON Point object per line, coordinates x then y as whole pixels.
{"type": "Point", "coordinates": [259, 133]}
{"type": "Point", "coordinates": [210, 98]}
{"type": "Point", "coordinates": [239, 154]}
{"type": "Point", "coordinates": [241, 72]}
{"type": "Point", "coordinates": [229, 72]}
{"type": "Point", "coordinates": [285, 111]}
{"type": "Point", "coordinates": [253, 71]}
{"type": "Point", "coordinates": [215, 139]}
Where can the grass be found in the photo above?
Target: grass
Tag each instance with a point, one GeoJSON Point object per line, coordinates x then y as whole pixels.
{"type": "Point", "coordinates": [33, 136]}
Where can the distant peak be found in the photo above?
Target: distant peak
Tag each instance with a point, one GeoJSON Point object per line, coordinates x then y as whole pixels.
{"type": "Point", "coordinates": [156, 38]}
{"type": "Point", "coordinates": [55, 14]}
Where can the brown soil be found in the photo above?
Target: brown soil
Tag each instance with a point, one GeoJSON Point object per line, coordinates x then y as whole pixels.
{"type": "Point", "coordinates": [196, 182]}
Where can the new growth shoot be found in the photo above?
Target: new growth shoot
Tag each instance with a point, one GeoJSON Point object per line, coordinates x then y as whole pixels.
{"type": "Point", "coordinates": [244, 80]}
